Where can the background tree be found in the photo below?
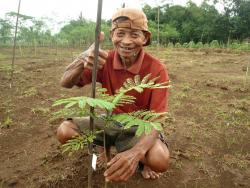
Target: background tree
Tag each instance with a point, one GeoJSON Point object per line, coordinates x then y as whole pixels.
{"type": "Point", "coordinates": [5, 31]}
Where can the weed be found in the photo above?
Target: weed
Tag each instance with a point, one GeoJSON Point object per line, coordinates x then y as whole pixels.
{"type": "Point", "coordinates": [236, 161]}
{"type": "Point", "coordinates": [7, 69]}
{"type": "Point", "coordinates": [246, 76]}
{"type": "Point", "coordinates": [230, 141]}
{"type": "Point", "coordinates": [178, 164]}
{"type": "Point", "coordinates": [202, 167]}
{"type": "Point", "coordinates": [30, 92]}
{"type": "Point", "coordinates": [7, 123]}
{"type": "Point", "coordinates": [186, 88]}
{"type": "Point", "coordinates": [182, 95]}
{"type": "Point", "coordinates": [40, 110]}
{"type": "Point", "coordinates": [3, 56]}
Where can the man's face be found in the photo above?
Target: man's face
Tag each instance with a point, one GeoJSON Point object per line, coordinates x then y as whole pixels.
{"type": "Point", "coordinates": [128, 42]}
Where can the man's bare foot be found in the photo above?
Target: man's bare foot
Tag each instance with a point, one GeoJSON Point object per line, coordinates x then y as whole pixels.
{"type": "Point", "coordinates": [147, 173]}
{"type": "Point", "coordinates": [101, 158]}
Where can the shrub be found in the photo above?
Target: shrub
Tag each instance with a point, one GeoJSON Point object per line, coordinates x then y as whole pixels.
{"type": "Point", "coordinates": [185, 45]}
{"type": "Point", "coordinates": [170, 45]}
{"type": "Point", "coordinates": [214, 44]}
{"type": "Point", "coordinates": [191, 44]}
{"type": "Point", "coordinates": [178, 45]}
{"type": "Point", "coordinates": [199, 45]}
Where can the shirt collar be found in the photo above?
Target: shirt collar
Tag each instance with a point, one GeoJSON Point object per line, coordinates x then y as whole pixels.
{"type": "Point", "coordinates": [134, 69]}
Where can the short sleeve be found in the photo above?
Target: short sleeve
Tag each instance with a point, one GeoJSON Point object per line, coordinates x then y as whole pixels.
{"type": "Point", "coordinates": [86, 77]}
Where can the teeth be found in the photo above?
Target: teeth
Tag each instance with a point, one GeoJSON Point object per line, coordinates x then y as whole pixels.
{"type": "Point", "coordinates": [127, 48]}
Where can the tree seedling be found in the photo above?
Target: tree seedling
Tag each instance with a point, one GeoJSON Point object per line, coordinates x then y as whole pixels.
{"type": "Point", "coordinates": [146, 120]}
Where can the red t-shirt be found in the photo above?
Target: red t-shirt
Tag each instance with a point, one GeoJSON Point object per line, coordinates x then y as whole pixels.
{"type": "Point", "coordinates": [113, 75]}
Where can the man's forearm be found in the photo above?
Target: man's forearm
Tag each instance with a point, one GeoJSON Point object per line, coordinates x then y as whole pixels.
{"type": "Point", "coordinates": [145, 143]}
{"type": "Point", "coordinates": [72, 74]}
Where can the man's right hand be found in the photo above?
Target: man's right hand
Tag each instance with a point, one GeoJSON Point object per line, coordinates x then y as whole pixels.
{"type": "Point", "coordinates": [86, 60]}
{"type": "Point", "coordinates": [87, 57]}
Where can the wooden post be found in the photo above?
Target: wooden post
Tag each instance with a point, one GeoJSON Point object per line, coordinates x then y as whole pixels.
{"type": "Point", "coordinates": [94, 72]}
{"type": "Point", "coordinates": [14, 46]}
{"type": "Point", "coordinates": [158, 29]}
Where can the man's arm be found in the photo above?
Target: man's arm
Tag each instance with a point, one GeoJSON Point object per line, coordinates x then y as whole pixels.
{"type": "Point", "coordinates": [124, 164]}
{"type": "Point", "coordinates": [74, 71]}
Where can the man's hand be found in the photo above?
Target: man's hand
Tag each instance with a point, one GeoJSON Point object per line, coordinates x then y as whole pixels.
{"type": "Point", "coordinates": [87, 57]}
{"type": "Point", "coordinates": [85, 60]}
{"type": "Point", "coordinates": [123, 165]}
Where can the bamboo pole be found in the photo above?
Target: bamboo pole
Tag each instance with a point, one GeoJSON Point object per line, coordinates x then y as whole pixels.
{"type": "Point", "coordinates": [94, 72]}
{"type": "Point", "coordinates": [158, 27]}
{"type": "Point", "coordinates": [14, 46]}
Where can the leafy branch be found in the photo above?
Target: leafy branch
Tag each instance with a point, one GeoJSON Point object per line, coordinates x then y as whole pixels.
{"type": "Point", "coordinates": [144, 119]}
{"type": "Point", "coordinates": [138, 85]}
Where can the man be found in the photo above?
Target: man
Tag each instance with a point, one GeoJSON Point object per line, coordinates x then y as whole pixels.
{"type": "Point", "coordinates": [129, 33]}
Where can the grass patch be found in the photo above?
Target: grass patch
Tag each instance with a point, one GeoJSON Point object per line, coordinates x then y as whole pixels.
{"type": "Point", "coordinates": [32, 91]}
{"type": "Point", "coordinates": [6, 123]}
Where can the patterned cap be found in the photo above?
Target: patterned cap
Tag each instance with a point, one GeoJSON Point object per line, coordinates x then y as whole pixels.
{"type": "Point", "coordinates": [134, 19]}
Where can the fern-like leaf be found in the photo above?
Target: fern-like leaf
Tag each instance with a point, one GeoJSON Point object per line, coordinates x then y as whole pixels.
{"type": "Point", "coordinates": [145, 79]}
{"type": "Point", "coordinates": [74, 144]}
{"type": "Point", "coordinates": [145, 120]}
{"type": "Point", "coordinates": [138, 85]}
{"type": "Point", "coordinates": [125, 99]}
{"type": "Point", "coordinates": [83, 100]}
{"type": "Point", "coordinates": [101, 93]}
{"type": "Point", "coordinates": [137, 80]}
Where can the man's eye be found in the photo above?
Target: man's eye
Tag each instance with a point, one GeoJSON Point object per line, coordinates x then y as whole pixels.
{"type": "Point", "coordinates": [120, 34]}
{"type": "Point", "coordinates": [135, 35]}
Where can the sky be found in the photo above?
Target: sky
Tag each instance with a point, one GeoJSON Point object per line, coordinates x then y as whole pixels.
{"type": "Point", "coordinates": [63, 10]}
{"type": "Point", "coordinates": [66, 9]}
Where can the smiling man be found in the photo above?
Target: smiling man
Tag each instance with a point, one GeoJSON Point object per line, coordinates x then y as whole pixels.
{"type": "Point", "coordinates": [129, 34]}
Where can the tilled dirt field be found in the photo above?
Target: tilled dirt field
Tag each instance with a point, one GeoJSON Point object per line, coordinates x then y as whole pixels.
{"type": "Point", "coordinates": [208, 134]}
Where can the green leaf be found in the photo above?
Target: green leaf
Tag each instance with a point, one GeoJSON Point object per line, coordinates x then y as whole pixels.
{"type": "Point", "coordinates": [157, 126]}
{"type": "Point", "coordinates": [129, 124]}
{"type": "Point", "coordinates": [71, 104]}
{"type": "Point", "coordinates": [145, 79]}
{"type": "Point", "coordinates": [82, 103]}
{"type": "Point", "coordinates": [137, 79]}
{"type": "Point", "coordinates": [148, 128]}
{"type": "Point", "coordinates": [91, 102]}
{"type": "Point", "coordinates": [139, 131]}
{"type": "Point", "coordinates": [138, 89]}
{"type": "Point", "coordinates": [122, 118]}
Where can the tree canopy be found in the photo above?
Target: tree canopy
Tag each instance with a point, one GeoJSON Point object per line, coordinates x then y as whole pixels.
{"type": "Point", "coordinates": [177, 24]}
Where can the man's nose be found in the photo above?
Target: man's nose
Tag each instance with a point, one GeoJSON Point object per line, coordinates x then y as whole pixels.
{"type": "Point", "coordinates": [127, 39]}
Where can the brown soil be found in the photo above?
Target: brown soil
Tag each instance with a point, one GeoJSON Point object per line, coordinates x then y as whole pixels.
{"type": "Point", "coordinates": [208, 134]}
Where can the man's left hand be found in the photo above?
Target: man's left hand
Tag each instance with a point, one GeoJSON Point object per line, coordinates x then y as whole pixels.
{"type": "Point", "coordinates": [123, 165]}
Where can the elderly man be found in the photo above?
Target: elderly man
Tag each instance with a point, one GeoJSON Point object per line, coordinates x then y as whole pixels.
{"type": "Point", "coordinates": [129, 34]}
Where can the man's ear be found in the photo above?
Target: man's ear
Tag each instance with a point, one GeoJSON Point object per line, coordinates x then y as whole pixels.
{"type": "Point", "coordinates": [111, 33]}
{"type": "Point", "coordinates": [147, 37]}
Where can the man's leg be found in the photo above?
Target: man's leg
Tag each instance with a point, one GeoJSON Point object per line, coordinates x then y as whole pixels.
{"type": "Point", "coordinates": [157, 160]}
{"type": "Point", "coordinates": [68, 129]}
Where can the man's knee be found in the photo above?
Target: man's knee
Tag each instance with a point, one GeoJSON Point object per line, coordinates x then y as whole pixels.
{"type": "Point", "coordinates": [66, 131]}
{"type": "Point", "coordinates": [158, 157]}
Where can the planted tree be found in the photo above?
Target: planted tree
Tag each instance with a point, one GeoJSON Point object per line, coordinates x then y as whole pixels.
{"type": "Point", "coordinates": [146, 120]}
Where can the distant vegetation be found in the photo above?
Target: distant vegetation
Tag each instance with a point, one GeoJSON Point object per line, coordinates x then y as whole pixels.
{"type": "Point", "coordinates": [189, 26]}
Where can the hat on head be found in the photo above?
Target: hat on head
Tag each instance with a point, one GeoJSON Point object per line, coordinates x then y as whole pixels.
{"type": "Point", "coordinates": [133, 18]}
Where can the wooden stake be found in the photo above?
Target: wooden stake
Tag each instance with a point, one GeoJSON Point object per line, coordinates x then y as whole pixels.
{"type": "Point", "coordinates": [94, 72]}
{"type": "Point", "coordinates": [14, 46]}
